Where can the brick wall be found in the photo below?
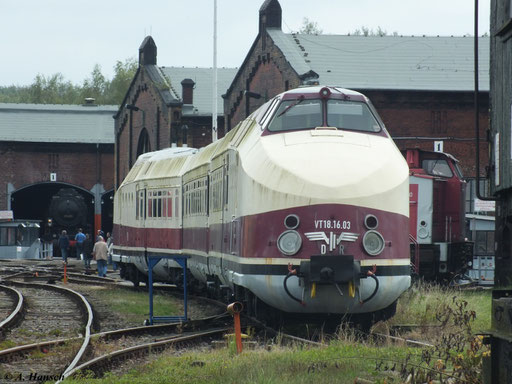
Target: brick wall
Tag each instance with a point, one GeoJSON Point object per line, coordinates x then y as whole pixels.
{"type": "Point", "coordinates": [153, 116]}
{"type": "Point", "coordinates": [76, 164]}
{"type": "Point", "coordinates": [425, 117]}
{"type": "Point", "coordinates": [265, 71]}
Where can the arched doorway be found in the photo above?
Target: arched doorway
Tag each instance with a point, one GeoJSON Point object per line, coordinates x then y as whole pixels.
{"type": "Point", "coordinates": [57, 205]}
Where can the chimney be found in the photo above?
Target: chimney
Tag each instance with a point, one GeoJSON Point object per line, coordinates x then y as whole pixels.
{"type": "Point", "coordinates": [89, 102]}
{"type": "Point", "coordinates": [188, 91]}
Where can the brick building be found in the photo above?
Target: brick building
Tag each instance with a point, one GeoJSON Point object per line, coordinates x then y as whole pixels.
{"type": "Point", "coordinates": [48, 150]}
{"type": "Point", "coordinates": [164, 107]}
{"type": "Point", "coordinates": [421, 86]}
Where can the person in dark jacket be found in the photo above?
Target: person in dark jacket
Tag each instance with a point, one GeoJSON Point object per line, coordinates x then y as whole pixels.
{"type": "Point", "coordinates": [64, 245]}
{"type": "Point", "coordinates": [87, 252]}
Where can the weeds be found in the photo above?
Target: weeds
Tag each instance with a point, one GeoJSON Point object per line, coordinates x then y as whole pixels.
{"type": "Point", "coordinates": [457, 355]}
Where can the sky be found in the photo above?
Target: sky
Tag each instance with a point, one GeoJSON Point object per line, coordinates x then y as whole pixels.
{"type": "Point", "coordinates": [70, 36]}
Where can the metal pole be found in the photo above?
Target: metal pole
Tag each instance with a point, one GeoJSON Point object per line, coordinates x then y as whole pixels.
{"type": "Point", "coordinates": [214, 77]}
{"type": "Point", "coordinates": [477, 117]}
{"type": "Point", "coordinates": [150, 289]}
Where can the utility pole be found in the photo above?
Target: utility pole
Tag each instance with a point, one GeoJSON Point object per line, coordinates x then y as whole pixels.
{"type": "Point", "coordinates": [214, 80]}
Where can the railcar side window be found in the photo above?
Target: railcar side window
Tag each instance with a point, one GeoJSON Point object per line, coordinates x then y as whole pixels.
{"type": "Point", "coordinates": [351, 115]}
{"type": "Point", "coordinates": [297, 114]}
{"type": "Point", "coordinates": [437, 167]}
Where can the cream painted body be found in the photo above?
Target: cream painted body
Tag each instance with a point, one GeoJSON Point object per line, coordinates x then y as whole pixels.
{"type": "Point", "coordinates": [280, 171]}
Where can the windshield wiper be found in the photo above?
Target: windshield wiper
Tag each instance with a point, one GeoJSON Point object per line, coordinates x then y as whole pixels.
{"type": "Point", "coordinates": [298, 101]}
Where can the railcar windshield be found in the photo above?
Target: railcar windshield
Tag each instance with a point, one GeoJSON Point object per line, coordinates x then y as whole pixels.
{"type": "Point", "coordinates": [351, 115]}
{"type": "Point", "coordinates": [303, 114]}
{"type": "Point", "coordinates": [297, 114]}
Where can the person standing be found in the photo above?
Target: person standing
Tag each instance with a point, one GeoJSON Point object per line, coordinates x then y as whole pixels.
{"type": "Point", "coordinates": [64, 245]}
{"type": "Point", "coordinates": [110, 246]}
{"type": "Point", "coordinates": [87, 252]}
{"type": "Point", "coordinates": [100, 234]}
{"type": "Point", "coordinates": [80, 237]}
{"type": "Point", "coordinates": [100, 254]}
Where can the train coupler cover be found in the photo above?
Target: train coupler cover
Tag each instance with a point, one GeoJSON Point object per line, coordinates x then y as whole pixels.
{"type": "Point", "coordinates": [329, 269]}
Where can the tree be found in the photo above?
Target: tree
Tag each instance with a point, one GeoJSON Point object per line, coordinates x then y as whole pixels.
{"type": "Point", "coordinates": [310, 27]}
{"type": "Point", "coordinates": [55, 89]}
{"type": "Point", "coordinates": [124, 72]}
{"type": "Point", "coordinates": [95, 86]}
{"type": "Point", "coordinates": [365, 31]}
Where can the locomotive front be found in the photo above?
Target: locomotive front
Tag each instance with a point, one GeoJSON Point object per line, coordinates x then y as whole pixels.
{"type": "Point", "coordinates": [325, 195]}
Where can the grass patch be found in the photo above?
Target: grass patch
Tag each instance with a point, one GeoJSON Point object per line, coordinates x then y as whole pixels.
{"type": "Point", "coordinates": [6, 344]}
{"type": "Point", "coordinates": [339, 363]}
{"type": "Point", "coordinates": [135, 304]}
{"type": "Point", "coordinates": [454, 315]}
{"type": "Point", "coordinates": [420, 303]}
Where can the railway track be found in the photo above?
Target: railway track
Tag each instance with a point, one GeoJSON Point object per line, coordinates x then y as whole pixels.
{"type": "Point", "coordinates": [108, 361]}
{"type": "Point", "coordinates": [50, 312]}
{"type": "Point", "coordinates": [11, 308]}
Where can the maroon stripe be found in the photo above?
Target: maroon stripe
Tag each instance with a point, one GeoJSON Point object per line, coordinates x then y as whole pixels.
{"type": "Point", "coordinates": [256, 235]}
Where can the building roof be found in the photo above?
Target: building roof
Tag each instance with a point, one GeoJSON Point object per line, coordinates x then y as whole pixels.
{"type": "Point", "coordinates": [203, 89]}
{"type": "Point", "coordinates": [57, 123]}
{"type": "Point", "coordinates": [388, 62]}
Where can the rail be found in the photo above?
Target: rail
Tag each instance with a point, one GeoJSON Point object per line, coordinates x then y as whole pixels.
{"type": "Point", "coordinates": [85, 307]}
{"type": "Point", "coordinates": [12, 318]}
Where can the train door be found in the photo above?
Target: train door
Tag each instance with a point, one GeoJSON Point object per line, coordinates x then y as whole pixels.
{"type": "Point", "coordinates": [140, 233]}
{"type": "Point", "coordinates": [231, 222]}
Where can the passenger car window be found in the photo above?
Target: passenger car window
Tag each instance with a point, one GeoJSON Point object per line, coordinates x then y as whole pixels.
{"type": "Point", "coordinates": [351, 115]}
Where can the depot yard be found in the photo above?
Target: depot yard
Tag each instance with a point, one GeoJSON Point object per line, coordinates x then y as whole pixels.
{"type": "Point", "coordinates": [346, 357]}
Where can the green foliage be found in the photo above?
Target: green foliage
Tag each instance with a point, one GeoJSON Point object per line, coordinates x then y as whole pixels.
{"type": "Point", "coordinates": [365, 31]}
{"type": "Point", "coordinates": [310, 27]}
{"type": "Point", "coordinates": [55, 89]}
{"type": "Point", "coordinates": [420, 303]}
{"type": "Point", "coordinates": [457, 355]}
{"type": "Point", "coordinates": [134, 305]}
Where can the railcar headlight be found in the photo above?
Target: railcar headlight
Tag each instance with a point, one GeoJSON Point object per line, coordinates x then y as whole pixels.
{"type": "Point", "coordinates": [289, 242]}
{"type": "Point", "coordinates": [291, 221]}
{"type": "Point", "coordinates": [371, 222]}
{"type": "Point", "coordinates": [373, 243]}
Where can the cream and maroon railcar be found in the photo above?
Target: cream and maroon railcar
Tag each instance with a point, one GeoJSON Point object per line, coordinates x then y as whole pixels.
{"type": "Point", "coordinates": [303, 205]}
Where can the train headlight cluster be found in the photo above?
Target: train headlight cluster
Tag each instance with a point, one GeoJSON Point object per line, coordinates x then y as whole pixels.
{"type": "Point", "coordinates": [373, 243]}
{"type": "Point", "coordinates": [289, 242]}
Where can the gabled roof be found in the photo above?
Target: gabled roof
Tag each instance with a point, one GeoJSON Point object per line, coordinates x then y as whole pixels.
{"type": "Point", "coordinates": [45, 123]}
{"type": "Point", "coordinates": [388, 62]}
{"type": "Point", "coordinates": [203, 89]}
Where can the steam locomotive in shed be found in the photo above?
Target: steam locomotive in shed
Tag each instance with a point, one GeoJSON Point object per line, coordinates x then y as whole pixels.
{"type": "Point", "coordinates": [302, 207]}
{"type": "Point", "coordinates": [67, 210]}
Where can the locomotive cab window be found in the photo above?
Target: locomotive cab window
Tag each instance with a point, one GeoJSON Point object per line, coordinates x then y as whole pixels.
{"type": "Point", "coordinates": [436, 167]}
{"type": "Point", "coordinates": [297, 114]}
{"type": "Point", "coordinates": [351, 115]}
